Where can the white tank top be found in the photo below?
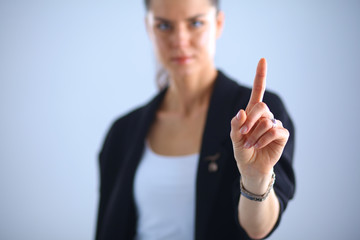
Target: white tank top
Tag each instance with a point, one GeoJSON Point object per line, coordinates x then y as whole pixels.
{"type": "Point", "coordinates": [164, 191]}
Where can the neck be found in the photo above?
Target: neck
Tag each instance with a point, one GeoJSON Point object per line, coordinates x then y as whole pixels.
{"type": "Point", "coordinates": [187, 94]}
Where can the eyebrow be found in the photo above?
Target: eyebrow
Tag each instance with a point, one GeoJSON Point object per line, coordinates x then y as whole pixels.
{"type": "Point", "coordinates": [188, 19]}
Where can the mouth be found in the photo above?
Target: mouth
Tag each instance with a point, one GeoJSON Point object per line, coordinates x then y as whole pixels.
{"type": "Point", "coordinates": [182, 59]}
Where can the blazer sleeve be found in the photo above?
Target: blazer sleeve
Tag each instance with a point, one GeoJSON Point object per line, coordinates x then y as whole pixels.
{"type": "Point", "coordinates": [106, 173]}
{"type": "Point", "coordinates": [285, 177]}
{"type": "Point", "coordinates": [110, 164]}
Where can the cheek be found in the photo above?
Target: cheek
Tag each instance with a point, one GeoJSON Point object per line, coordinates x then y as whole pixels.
{"type": "Point", "coordinates": [206, 41]}
{"type": "Point", "coordinates": [160, 46]}
{"type": "Point", "coordinates": [204, 38]}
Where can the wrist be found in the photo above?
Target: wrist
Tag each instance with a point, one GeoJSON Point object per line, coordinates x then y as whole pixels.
{"type": "Point", "coordinates": [254, 196]}
{"type": "Point", "coordinates": [257, 184]}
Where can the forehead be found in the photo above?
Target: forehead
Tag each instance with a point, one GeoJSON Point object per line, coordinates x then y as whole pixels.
{"type": "Point", "coordinates": [179, 9]}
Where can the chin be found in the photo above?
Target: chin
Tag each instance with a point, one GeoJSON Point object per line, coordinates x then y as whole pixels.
{"type": "Point", "coordinates": [183, 71]}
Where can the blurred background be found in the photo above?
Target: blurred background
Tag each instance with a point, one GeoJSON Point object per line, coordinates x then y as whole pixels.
{"type": "Point", "coordinates": [68, 69]}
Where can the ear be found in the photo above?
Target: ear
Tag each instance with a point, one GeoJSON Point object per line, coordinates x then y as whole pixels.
{"type": "Point", "coordinates": [149, 23]}
{"type": "Point", "coordinates": [220, 18]}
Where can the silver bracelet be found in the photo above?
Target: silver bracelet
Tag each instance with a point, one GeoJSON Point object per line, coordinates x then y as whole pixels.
{"type": "Point", "coordinates": [255, 197]}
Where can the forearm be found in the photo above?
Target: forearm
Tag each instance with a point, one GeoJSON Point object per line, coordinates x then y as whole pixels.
{"type": "Point", "coordinates": [258, 218]}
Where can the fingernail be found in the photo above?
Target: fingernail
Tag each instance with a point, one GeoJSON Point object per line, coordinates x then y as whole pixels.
{"type": "Point", "coordinates": [243, 130]}
{"type": "Point", "coordinates": [247, 145]}
{"type": "Point", "coordinates": [238, 115]}
{"type": "Point", "coordinates": [256, 145]}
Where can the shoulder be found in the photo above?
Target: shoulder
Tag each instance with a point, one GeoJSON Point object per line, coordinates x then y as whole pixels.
{"type": "Point", "coordinates": [117, 134]}
{"type": "Point", "coordinates": [123, 127]}
{"type": "Point", "coordinates": [120, 127]}
{"type": "Point", "coordinates": [132, 119]}
{"type": "Point", "coordinates": [127, 120]}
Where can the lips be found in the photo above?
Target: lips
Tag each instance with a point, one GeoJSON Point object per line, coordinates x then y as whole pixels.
{"type": "Point", "coordinates": [182, 59]}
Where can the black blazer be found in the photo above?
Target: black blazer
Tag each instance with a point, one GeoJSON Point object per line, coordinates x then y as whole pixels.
{"type": "Point", "coordinates": [217, 192]}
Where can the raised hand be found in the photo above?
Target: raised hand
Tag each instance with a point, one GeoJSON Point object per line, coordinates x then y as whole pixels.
{"type": "Point", "coordinates": [258, 139]}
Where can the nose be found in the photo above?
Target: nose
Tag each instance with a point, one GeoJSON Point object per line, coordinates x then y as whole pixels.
{"type": "Point", "coordinates": [180, 36]}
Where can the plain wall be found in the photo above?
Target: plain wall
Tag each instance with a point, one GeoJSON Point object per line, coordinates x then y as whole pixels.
{"type": "Point", "coordinates": [69, 68]}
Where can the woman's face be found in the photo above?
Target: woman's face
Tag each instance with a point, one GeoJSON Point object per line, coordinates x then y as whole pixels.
{"type": "Point", "coordinates": [184, 33]}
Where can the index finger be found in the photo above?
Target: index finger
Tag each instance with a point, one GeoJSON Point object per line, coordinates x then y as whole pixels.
{"type": "Point", "coordinates": [259, 85]}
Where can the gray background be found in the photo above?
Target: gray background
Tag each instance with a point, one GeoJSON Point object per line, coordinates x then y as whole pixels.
{"type": "Point", "coordinates": [69, 68]}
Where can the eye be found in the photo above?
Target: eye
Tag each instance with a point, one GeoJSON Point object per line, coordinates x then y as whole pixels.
{"type": "Point", "coordinates": [164, 26]}
{"type": "Point", "coordinates": [197, 23]}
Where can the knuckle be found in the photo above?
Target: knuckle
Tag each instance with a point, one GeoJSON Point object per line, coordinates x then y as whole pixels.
{"type": "Point", "coordinates": [234, 121]}
{"type": "Point", "coordinates": [252, 120]}
{"type": "Point", "coordinates": [234, 135]}
{"type": "Point", "coordinates": [262, 106]}
{"type": "Point", "coordinates": [273, 133]}
{"type": "Point", "coordinates": [266, 123]}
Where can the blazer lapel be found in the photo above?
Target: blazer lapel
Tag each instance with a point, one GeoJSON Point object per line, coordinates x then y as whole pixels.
{"type": "Point", "coordinates": [213, 153]}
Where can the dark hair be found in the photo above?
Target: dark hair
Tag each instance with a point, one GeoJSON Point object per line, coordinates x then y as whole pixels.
{"type": "Point", "coordinates": [215, 3]}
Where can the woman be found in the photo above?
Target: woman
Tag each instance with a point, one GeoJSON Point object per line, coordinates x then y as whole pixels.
{"type": "Point", "coordinates": [169, 169]}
